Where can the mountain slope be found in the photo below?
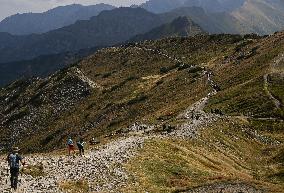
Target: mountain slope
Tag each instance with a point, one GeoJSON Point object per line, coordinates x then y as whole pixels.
{"type": "Point", "coordinates": [28, 23]}
{"type": "Point", "coordinates": [40, 66]}
{"type": "Point", "coordinates": [160, 6]}
{"type": "Point", "coordinates": [112, 84]}
{"type": "Point", "coordinates": [211, 6]}
{"type": "Point", "coordinates": [180, 27]}
{"type": "Point", "coordinates": [215, 6]}
{"type": "Point", "coordinates": [184, 114]}
{"type": "Point", "coordinates": [264, 17]}
{"type": "Point", "coordinates": [108, 28]}
{"type": "Point", "coordinates": [214, 23]}
{"type": "Point", "coordinates": [227, 16]}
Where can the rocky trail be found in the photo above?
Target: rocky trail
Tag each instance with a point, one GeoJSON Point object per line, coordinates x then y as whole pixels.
{"type": "Point", "coordinates": [103, 167]}
{"type": "Point", "coordinates": [276, 102]}
{"type": "Point", "coordinates": [86, 79]}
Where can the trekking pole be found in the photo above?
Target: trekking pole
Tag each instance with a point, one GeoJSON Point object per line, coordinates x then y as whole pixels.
{"type": "Point", "coordinates": [21, 175]}
{"type": "Point", "coordinates": [7, 179]}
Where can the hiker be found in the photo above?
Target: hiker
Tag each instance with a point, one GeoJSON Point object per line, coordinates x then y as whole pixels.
{"type": "Point", "coordinates": [93, 141]}
{"type": "Point", "coordinates": [168, 128]}
{"type": "Point", "coordinates": [70, 146]}
{"type": "Point", "coordinates": [80, 145]}
{"type": "Point", "coordinates": [14, 160]}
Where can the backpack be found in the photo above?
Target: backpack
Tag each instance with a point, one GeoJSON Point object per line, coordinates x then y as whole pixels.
{"type": "Point", "coordinates": [14, 161]}
{"type": "Point", "coordinates": [70, 142]}
{"type": "Point", "coordinates": [80, 145]}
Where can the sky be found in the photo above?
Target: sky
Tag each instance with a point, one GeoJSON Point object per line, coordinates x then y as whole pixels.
{"type": "Point", "coordinates": [11, 7]}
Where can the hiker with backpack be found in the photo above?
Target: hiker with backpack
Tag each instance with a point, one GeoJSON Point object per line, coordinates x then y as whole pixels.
{"type": "Point", "coordinates": [14, 160]}
{"type": "Point", "coordinates": [80, 145]}
{"type": "Point", "coordinates": [70, 145]}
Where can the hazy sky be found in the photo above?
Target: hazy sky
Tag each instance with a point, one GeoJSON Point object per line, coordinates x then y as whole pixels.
{"type": "Point", "coordinates": [10, 7]}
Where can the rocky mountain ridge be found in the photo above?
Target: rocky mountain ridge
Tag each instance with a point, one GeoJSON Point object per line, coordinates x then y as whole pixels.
{"type": "Point", "coordinates": [41, 66]}
{"type": "Point", "coordinates": [179, 27]}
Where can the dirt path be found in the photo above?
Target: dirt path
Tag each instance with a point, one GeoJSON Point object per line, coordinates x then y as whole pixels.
{"type": "Point", "coordinates": [276, 67]}
{"type": "Point", "coordinates": [276, 102]}
{"type": "Point", "coordinates": [86, 79]}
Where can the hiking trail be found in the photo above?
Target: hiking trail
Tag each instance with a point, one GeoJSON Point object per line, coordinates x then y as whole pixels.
{"type": "Point", "coordinates": [276, 67]}
{"type": "Point", "coordinates": [103, 167]}
{"type": "Point", "coordinates": [86, 79]}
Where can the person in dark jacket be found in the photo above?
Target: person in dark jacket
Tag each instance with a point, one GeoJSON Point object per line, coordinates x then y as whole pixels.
{"type": "Point", "coordinates": [14, 160]}
{"type": "Point", "coordinates": [80, 145]}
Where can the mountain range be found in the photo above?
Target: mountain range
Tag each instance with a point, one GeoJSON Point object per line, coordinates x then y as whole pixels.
{"type": "Point", "coordinates": [48, 63]}
{"type": "Point", "coordinates": [119, 25]}
{"type": "Point", "coordinates": [230, 16]}
{"type": "Point", "coordinates": [21, 55]}
{"type": "Point", "coordinates": [227, 16]}
{"type": "Point", "coordinates": [106, 29]}
{"type": "Point", "coordinates": [29, 23]}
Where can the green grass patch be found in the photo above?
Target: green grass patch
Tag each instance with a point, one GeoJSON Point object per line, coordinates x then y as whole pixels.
{"type": "Point", "coordinates": [247, 99]}
{"type": "Point", "coordinates": [276, 87]}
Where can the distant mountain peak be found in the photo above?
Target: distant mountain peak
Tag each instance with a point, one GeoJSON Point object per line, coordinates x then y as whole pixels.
{"type": "Point", "coordinates": [160, 6]}
{"type": "Point", "coordinates": [182, 26]}
{"type": "Point", "coordinates": [182, 22]}
{"type": "Point", "coordinates": [29, 23]}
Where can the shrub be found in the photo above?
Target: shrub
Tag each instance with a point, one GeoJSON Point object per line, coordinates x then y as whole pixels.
{"type": "Point", "coordinates": [184, 66]}
{"type": "Point", "coordinates": [137, 99]}
{"type": "Point", "coordinates": [195, 69]}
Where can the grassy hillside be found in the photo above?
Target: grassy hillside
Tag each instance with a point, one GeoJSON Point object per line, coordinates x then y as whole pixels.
{"type": "Point", "coordinates": [241, 78]}
{"type": "Point", "coordinates": [231, 151]}
{"type": "Point", "coordinates": [140, 82]}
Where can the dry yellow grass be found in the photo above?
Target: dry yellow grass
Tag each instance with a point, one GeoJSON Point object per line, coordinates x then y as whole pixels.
{"type": "Point", "coordinates": [225, 152]}
{"type": "Point", "coordinates": [74, 186]}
